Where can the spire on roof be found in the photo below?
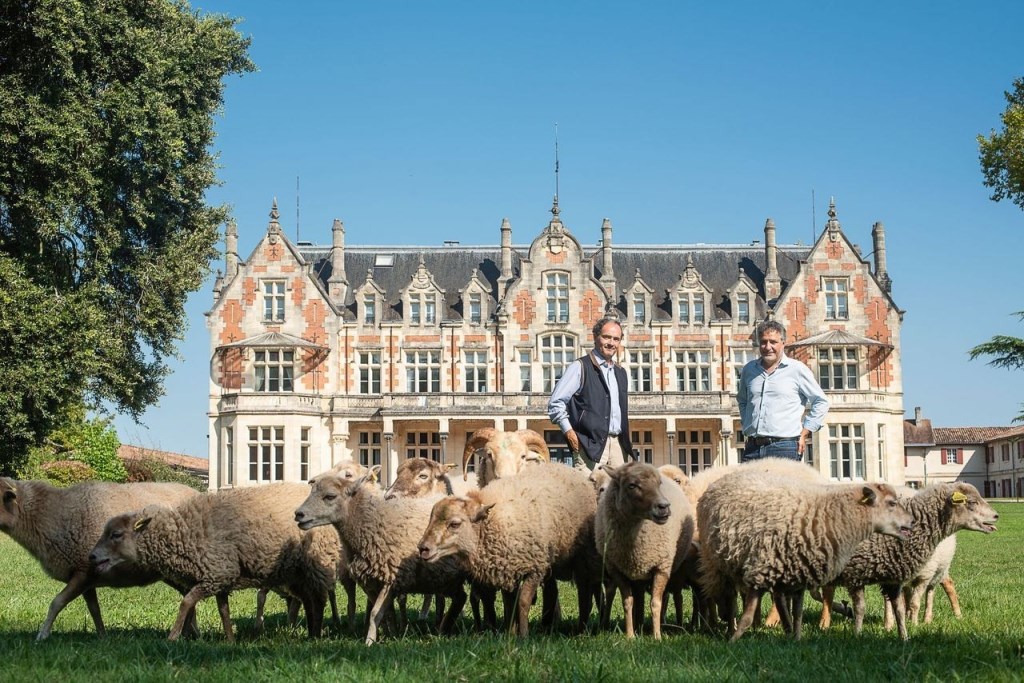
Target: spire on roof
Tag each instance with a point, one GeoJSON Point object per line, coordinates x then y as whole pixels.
{"type": "Point", "coordinates": [274, 226]}
{"type": "Point", "coordinates": [832, 225]}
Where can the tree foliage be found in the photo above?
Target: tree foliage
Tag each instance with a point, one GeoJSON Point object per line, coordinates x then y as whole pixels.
{"type": "Point", "coordinates": [1002, 152]}
{"type": "Point", "coordinates": [106, 123]}
{"type": "Point", "coordinates": [1006, 352]}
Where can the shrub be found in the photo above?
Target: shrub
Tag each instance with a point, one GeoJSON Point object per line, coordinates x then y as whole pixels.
{"type": "Point", "coordinates": [152, 469]}
{"type": "Point", "coordinates": [64, 473]}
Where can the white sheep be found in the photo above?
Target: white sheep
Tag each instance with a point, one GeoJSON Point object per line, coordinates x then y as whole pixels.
{"type": "Point", "coordinates": [214, 543]}
{"type": "Point", "coordinates": [502, 454]}
{"type": "Point", "coordinates": [935, 572]}
{"type": "Point", "coordinates": [763, 532]}
{"type": "Point", "coordinates": [516, 531]}
{"type": "Point", "coordinates": [938, 511]}
{"type": "Point", "coordinates": [643, 529]}
{"type": "Point", "coordinates": [381, 537]}
{"type": "Point", "coordinates": [59, 527]}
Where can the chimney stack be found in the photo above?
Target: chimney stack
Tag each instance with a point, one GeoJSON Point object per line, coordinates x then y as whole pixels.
{"type": "Point", "coordinates": [230, 251]}
{"type": "Point", "coordinates": [881, 272]}
{"type": "Point", "coordinates": [772, 281]}
{"type": "Point", "coordinates": [337, 283]}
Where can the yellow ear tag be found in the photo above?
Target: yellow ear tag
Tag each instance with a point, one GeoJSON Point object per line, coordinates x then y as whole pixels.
{"type": "Point", "coordinates": [959, 498]}
{"type": "Point", "coordinates": [139, 523]}
{"type": "Point", "coordinates": [865, 500]}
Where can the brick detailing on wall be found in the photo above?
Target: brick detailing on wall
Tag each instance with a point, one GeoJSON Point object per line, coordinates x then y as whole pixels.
{"type": "Point", "coordinates": [591, 308]}
{"type": "Point", "coordinates": [796, 319]}
{"type": "Point", "coordinates": [250, 287]}
{"type": "Point", "coordinates": [231, 312]}
{"type": "Point", "coordinates": [834, 250]}
{"type": "Point", "coordinates": [524, 309]}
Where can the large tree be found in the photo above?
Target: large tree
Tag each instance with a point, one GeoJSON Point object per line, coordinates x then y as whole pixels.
{"type": "Point", "coordinates": [106, 124]}
{"type": "Point", "coordinates": [1002, 162]}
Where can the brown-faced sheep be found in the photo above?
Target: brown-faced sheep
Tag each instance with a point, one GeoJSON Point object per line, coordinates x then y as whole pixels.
{"type": "Point", "coordinates": [763, 532]}
{"type": "Point", "coordinates": [214, 543]}
{"type": "Point", "coordinates": [643, 529]}
{"type": "Point", "coordinates": [381, 537]}
{"type": "Point", "coordinates": [516, 531]}
{"type": "Point", "coordinates": [938, 511]}
{"type": "Point", "coordinates": [502, 454]}
{"type": "Point", "coordinates": [59, 527]}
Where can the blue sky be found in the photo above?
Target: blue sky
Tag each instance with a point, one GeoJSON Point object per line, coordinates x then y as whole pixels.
{"type": "Point", "coordinates": [682, 122]}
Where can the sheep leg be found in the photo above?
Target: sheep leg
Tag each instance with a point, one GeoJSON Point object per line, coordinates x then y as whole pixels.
{"type": "Point", "coordinates": [657, 594]}
{"type": "Point", "coordinates": [797, 613]}
{"type": "Point", "coordinates": [827, 593]}
{"type": "Point", "coordinates": [458, 601]}
{"type": "Point", "coordinates": [293, 605]}
{"type": "Point", "coordinates": [677, 602]}
{"type": "Point", "coordinates": [261, 603]}
{"type": "Point", "coordinates": [859, 604]}
{"type": "Point", "coordinates": [954, 601]}
{"type": "Point", "coordinates": [527, 594]}
{"type": "Point", "coordinates": [893, 594]}
{"type": "Point", "coordinates": [377, 613]}
{"type": "Point", "coordinates": [780, 605]}
{"type": "Point", "coordinates": [549, 607]}
{"type": "Point", "coordinates": [609, 600]}
{"type": "Point", "coordinates": [626, 591]}
{"type": "Point", "coordinates": [889, 617]}
{"type": "Point", "coordinates": [508, 603]}
{"type": "Point", "coordinates": [314, 604]}
{"type": "Point", "coordinates": [225, 616]}
{"type": "Point", "coordinates": [74, 587]}
{"type": "Point", "coordinates": [751, 603]}
{"type": "Point", "coordinates": [93, 603]}
{"type": "Point", "coordinates": [774, 618]}
{"type": "Point", "coordinates": [350, 592]}
{"type": "Point", "coordinates": [332, 597]}
{"type": "Point", "coordinates": [188, 603]}
{"type": "Point", "coordinates": [425, 608]}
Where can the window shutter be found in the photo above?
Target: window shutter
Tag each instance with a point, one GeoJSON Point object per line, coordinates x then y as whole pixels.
{"type": "Point", "coordinates": [959, 456]}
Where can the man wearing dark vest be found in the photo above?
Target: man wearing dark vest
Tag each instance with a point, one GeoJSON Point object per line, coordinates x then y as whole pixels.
{"type": "Point", "coordinates": [589, 402]}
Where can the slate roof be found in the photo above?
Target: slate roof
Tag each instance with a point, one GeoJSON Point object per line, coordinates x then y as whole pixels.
{"type": "Point", "coordinates": [968, 435]}
{"type": "Point", "coordinates": [660, 267]}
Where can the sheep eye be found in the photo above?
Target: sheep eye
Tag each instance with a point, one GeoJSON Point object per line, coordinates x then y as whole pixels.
{"type": "Point", "coordinates": [455, 524]}
{"type": "Point", "coordinates": [330, 496]}
{"type": "Point", "coordinates": [423, 476]}
{"type": "Point", "coordinates": [116, 534]}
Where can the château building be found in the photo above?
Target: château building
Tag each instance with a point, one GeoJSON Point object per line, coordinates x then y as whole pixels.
{"type": "Point", "coordinates": [321, 354]}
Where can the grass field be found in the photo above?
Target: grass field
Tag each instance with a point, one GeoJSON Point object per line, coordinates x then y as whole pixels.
{"type": "Point", "coordinates": [986, 645]}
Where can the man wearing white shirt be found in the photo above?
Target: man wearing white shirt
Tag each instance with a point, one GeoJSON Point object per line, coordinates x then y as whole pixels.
{"type": "Point", "coordinates": [589, 402]}
{"type": "Point", "coordinates": [774, 391]}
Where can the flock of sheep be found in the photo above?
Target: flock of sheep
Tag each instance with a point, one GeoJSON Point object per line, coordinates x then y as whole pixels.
{"type": "Point", "coordinates": [771, 526]}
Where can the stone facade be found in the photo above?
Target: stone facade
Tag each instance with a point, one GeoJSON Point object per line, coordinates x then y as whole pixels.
{"type": "Point", "coordinates": [320, 354]}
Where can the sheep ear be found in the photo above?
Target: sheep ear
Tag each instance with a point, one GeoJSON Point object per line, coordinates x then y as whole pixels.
{"type": "Point", "coordinates": [10, 499]}
{"type": "Point", "coordinates": [141, 523]}
{"type": "Point", "coordinates": [869, 496]}
{"type": "Point", "coordinates": [482, 513]}
{"type": "Point", "coordinates": [958, 498]}
{"type": "Point", "coordinates": [374, 474]}
{"type": "Point", "coordinates": [448, 467]}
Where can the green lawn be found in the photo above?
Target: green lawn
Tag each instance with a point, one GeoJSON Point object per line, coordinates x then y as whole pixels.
{"type": "Point", "coordinates": [987, 644]}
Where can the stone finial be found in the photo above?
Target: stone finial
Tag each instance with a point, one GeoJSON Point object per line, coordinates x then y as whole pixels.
{"type": "Point", "coordinates": [274, 226]}
{"type": "Point", "coordinates": [832, 225]}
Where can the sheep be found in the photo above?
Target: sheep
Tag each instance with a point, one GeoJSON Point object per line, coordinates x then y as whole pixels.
{"type": "Point", "coordinates": [60, 526]}
{"type": "Point", "coordinates": [643, 528]}
{"type": "Point", "coordinates": [420, 478]}
{"type": "Point", "coordinates": [938, 511]}
{"type": "Point", "coordinates": [514, 532]}
{"type": "Point", "coordinates": [381, 537]}
{"type": "Point", "coordinates": [502, 454]}
{"type": "Point", "coordinates": [674, 473]}
{"type": "Point", "coordinates": [761, 531]}
{"type": "Point", "coordinates": [934, 573]}
{"type": "Point", "coordinates": [214, 543]}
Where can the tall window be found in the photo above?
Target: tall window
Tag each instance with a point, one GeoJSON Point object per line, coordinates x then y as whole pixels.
{"type": "Point", "coordinates": [423, 371]}
{"type": "Point", "coordinates": [837, 367]}
{"type": "Point", "coordinates": [429, 309]}
{"type": "Point", "coordinates": [836, 297]}
{"type": "Point", "coordinates": [525, 370]}
{"type": "Point", "coordinates": [369, 309]}
{"type": "Point", "coordinates": [274, 369]}
{"type": "Point", "coordinates": [881, 452]}
{"type": "Point", "coordinates": [369, 372]}
{"type": "Point", "coordinates": [643, 446]}
{"type": "Point", "coordinates": [684, 308]}
{"type": "Point", "coordinates": [641, 371]}
{"type": "Point", "coordinates": [846, 450]}
{"type": "Point", "coordinates": [693, 370]}
{"type": "Point", "coordinates": [229, 454]}
{"type": "Point", "coordinates": [557, 289]}
{"type": "Point", "coordinates": [475, 308]}
{"type": "Point", "coordinates": [698, 309]}
{"type": "Point", "coordinates": [369, 448]}
{"type": "Point", "coordinates": [743, 308]}
{"type": "Point", "coordinates": [273, 301]}
{"type": "Point", "coordinates": [741, 357]}
{"type": "Point", "coordinates": [556, 352]}
{"type": "Point", "coordinates": [304, 454]}
{"type": "Point", "coordinates": [639, 307]}
{"type": "Point", "coordinates": [423, 445]}
{"type": "Point", "coordinates": [266, 454]}
{"type": "Point", "coordinates": [476, 371]}
{"type": "Point", "coordinates": [695, 450]}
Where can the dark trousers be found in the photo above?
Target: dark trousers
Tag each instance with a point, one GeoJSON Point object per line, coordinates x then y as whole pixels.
{"type": "Point", "coordinates": [778, 449]}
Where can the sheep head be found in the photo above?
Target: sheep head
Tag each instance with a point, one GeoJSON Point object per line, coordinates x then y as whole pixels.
{"type": "Point", "coordinates": [420, 478]}
{"type": "Point", "coordinates": [324, 504]}
{"type": "Point", "coordinates": [600, 478]}
{"type": "Point", "coordinates": [636, 491]}
{"type": "Point", "coordinates": [452, 529]}
{"type": "Point", "coordinates": [503, 454]}
{"type": "Point", "coordinates": [888, 515]}
{"type": "Point", "coordinates": [674, 473]}
{"type": "Point", "coordinates": [10, 510]}
{"type": "Point", "coordinates": [119, 542]}
{"type": "Point", "coordinates": [969, 510]}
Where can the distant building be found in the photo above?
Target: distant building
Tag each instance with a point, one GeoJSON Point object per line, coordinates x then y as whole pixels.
{"type": "Point", "coordinates": [197, 467]}
{"type": "Point", "coordinates": [990, 458]}
{"type": "Point", "coordinates": [322, 354]}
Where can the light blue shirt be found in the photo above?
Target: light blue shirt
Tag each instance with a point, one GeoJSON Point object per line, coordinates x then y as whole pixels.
{"type": "Point", "coordinates": [569, 383]}
{"type": "Point", "coordinates": [773, 404]}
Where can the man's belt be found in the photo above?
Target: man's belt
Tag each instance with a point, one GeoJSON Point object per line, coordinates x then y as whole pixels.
{"type": "Point", "coordinates": [765, 440]}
